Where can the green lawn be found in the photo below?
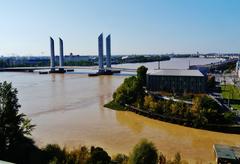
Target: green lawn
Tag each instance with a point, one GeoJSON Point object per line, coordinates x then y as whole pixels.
{"type": "Point", "coordinates": [230, 91]}
{"type": "Point", "coordinates": [236, 106]}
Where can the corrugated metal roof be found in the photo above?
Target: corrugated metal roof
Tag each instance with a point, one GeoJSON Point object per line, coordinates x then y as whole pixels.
{"type": "Point", "coordinates": [175, 72]}
{"type": "Point", "coordinates": [223, 151]}
{"type": "Point", "coordinates": [4, 162]}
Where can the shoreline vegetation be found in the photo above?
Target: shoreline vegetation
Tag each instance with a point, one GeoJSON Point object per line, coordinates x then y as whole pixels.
{"type": "Point", "coordinates": [231, 93]}
{"type": "Point", "coordinates": [17, 146]}
{"type": "Point", "coordinates": [203, 113]}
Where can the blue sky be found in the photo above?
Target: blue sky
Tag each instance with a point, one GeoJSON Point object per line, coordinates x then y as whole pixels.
{"type": "Point", "coordinates": [136, 26]}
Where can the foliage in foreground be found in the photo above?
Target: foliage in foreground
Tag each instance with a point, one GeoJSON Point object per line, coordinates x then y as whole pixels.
{"type": "Point", "coordinates": [144, 152]}
{"type": "Point", "coordinates": [14, 126]}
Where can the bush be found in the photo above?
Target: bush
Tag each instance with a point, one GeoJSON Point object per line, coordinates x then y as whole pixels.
{"type": "Point", "coordinates": [144, 152]}
{"type": "Point", "coordinates": [129, 91]}
{"type": "Point", "coordinates": [98, 156]}
{"type": "Point", "coordinates": [78, 156]}
{"type": "Point", "coordinates": [115, 106]}
{"type": "Point", "coordinates": [150, 103]}
{"type": "Point", "coordinates": [15, 146]}
{"type": "Point", "coordinates": [229, 117]}
{"type": "Point", "coordinates": [120, 159]}
{"type": "Point", "coordinates": [141, 75]}
{"type": "Point", "coordinates": [54, 154]}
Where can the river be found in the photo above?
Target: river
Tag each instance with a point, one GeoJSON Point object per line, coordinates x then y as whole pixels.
{"type": "Point", "coordinates": [68, 109]}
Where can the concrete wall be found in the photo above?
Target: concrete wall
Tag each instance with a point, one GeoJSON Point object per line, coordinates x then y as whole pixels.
{"type": "Point", "coordinates": [100, 52]}
{"type": "Point", "coordinates": [61, 58]}
{"type": "Point", "coordinates": [108, 51]}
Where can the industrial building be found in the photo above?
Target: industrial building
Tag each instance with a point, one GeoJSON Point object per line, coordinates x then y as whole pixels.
{"type": "Point", "coordinates": [176, 81]}
{"type": "Point", "coordinates": [226, 154]}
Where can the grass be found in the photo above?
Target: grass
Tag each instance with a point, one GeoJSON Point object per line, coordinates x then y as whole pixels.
{"type": "Point", "coordinates": [236, 106]}
{"type": "Point", "coordinates": [115, 106]}
{"type": "Point", "coordinates": [230, 91]}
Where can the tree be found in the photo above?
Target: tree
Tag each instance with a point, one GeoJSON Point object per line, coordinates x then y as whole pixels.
{"type": "Point", "coordinates": [54, 154]}
{"type": "Point", "coordinates": [150, 103]}
{"type": "Point", "coordinates": [197, 105]}
{"type": "Point", "coordinates": [120, 159]}
{"type": "Point", "coordinates": [211, 82]}
{"type": "Point", "coordinates": [162, 159]}
{"type": "Point", "coordinates": [141, 75]}
{"type": "Point", "coordinates": [177, 159]}
{"type": "Point", "coordinates": [98, 156]}
{"type": "Point", "coordinates": [14, 127]}
{"type": "Point", "coordinates": [229, 117]}
{"type": "Point", "coordinates": [144, 152]}
{"type": "Point", "coordinates": [128, 92]}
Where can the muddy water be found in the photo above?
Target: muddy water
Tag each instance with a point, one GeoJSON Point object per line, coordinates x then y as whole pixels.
{"type": "Point", "coordinates": [68, 110]}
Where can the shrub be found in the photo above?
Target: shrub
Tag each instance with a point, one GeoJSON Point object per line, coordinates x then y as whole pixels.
{"type": "Point", "coordinates": [120, 159]}
{"type": "Point", "coordinates": [144, 152]}
{"type": "Point", "coordinates": [98, 156]}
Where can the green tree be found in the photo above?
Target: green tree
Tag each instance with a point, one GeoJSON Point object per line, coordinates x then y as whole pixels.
{"type": "Point", "coordinates": [229, 117]}
{"type": "Point", "coordinates": [150, 103]}
{"type": "Point", "coordinates": [141, 75]}
{"type": "Point", "coordinates": [15, 146]}
{"type": "Point", "coordinates": [211, 82]}
{"type": "Point", "coordinates": [54, 154]}
{"type": "Point", "coordinates": [177, 159]}
{"type": "Point", "coordinates": [162, 159]}
{"type": "Point", "coordinates": [120, 159]}
{"type": "Point", "coordinates": [98, 156]}
{"type": "Point", "coordinates": [144, 152]}
{"type": "Point", "coordinates": [128, 92]}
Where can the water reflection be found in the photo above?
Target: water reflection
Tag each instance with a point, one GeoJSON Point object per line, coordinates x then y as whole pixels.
{"type": "Point", "coordinates": [194, 144]}
{"type": "Point", "coordinates": [126, 119]}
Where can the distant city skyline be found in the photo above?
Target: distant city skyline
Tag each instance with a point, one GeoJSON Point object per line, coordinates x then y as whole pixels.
{"type": "Point", "coordinates": [136, 27]}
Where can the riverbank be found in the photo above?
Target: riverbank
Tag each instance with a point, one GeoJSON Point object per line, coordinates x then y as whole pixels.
{"type": "Point", "coordinates": [201, 112]}
{"type": "Point", "coordinates": [226, 128]}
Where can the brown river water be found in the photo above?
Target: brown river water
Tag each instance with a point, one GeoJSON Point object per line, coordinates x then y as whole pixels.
{"type": "Point", "coordinates": [68, 109]}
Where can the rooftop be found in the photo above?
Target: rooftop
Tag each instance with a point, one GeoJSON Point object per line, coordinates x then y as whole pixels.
{"type": "Point", "coordinates": [175, 72]}
{"type": "Point", "coordinates": [227, 152]}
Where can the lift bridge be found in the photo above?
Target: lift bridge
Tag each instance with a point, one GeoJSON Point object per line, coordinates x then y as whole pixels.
{"type": "Point", "coordinates": [66, 68]}
{"type": "Point", "coordinates": [93, 70]}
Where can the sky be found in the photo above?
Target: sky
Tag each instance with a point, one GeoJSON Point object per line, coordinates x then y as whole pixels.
{"type": "Point", "coordinates": [136, 26]}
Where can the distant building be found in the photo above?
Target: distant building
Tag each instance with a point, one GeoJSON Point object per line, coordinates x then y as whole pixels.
{"type": "Point", "coordinates": [177, 81]}
{"type": "Point", "coordinates": [226, 154]}
{"type": "Point", "coordinates": [76, 58]}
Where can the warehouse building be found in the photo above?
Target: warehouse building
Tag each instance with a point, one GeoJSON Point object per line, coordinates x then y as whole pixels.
{"type": "Point", "coordinates": [176, 81]}
{"type": "Point", "coordinates": [226, 154]}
